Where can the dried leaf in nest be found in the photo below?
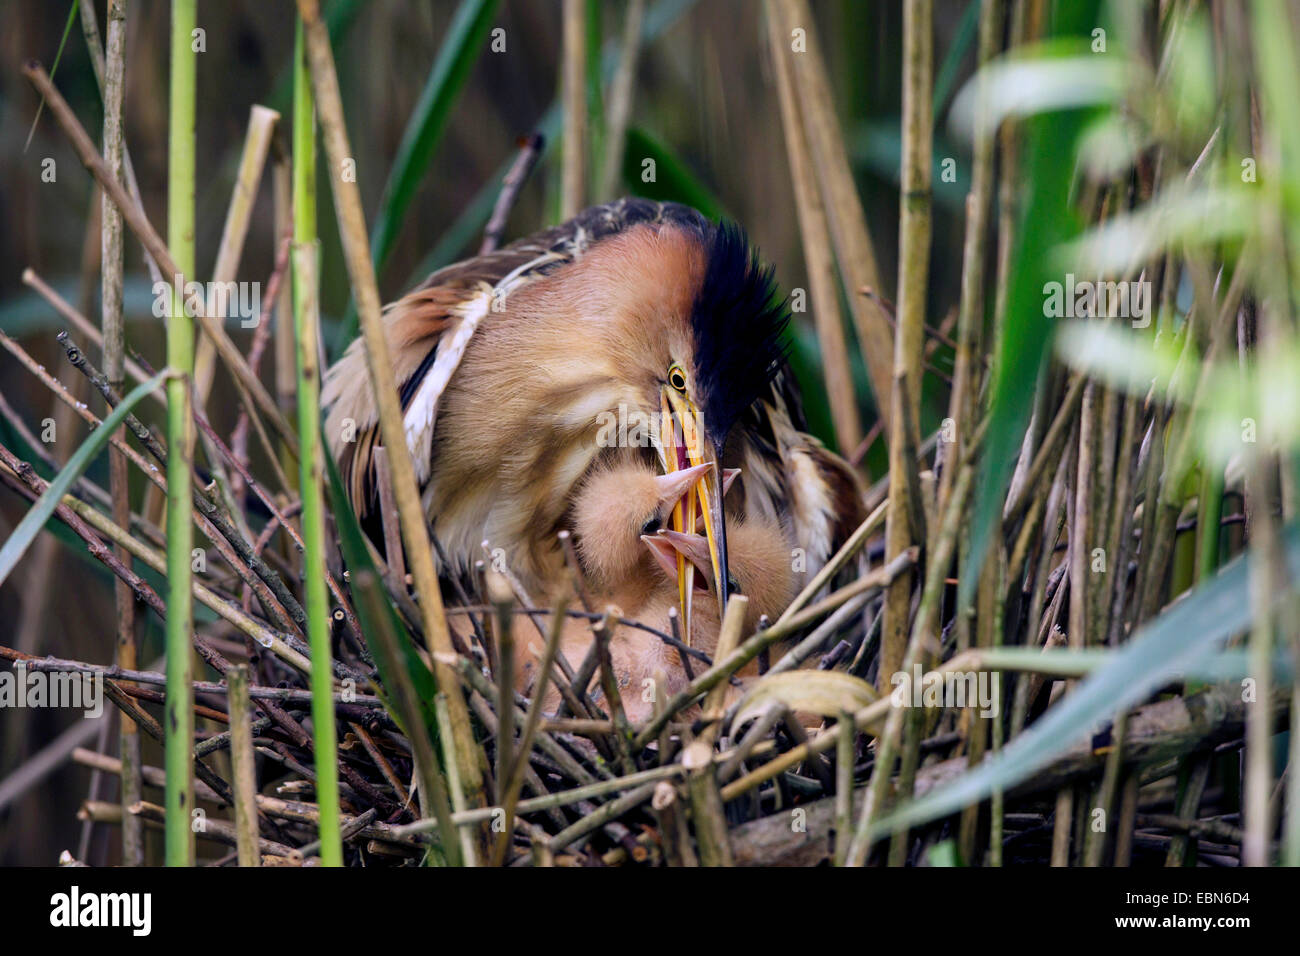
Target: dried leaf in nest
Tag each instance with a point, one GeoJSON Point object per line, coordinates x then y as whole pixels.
{"type": "Point", "coordinates": [825, 693]}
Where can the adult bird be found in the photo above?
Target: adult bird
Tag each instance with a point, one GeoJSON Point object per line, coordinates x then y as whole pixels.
{"type": "Point", "coordinates": [636, 331]}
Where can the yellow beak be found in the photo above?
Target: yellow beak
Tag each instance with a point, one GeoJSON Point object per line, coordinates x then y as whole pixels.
{"type": "Point", "coordinates": [683, 444]}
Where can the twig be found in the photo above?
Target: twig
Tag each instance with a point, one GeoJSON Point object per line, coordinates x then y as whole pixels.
{"type": "Point", "coordinates": [84, 326]}
{"type": "Point", "coordinates": [261, 335]}
{"type": "Point", "coordinates": [514, 779]}
{"type": "Point", "coordinates": [530, 151]}
{"type": "Point", "coordinates": [285, 695]}
{"type": "Point", "coordinates": [240, 552]}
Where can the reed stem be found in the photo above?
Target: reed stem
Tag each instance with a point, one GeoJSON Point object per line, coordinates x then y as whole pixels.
{"type": "Point", "coordinates": [180, 440]}
{"type": "Point", "coordinates": [241, 759]}
{"type": "Point", "coordinates": [115, 370]}
{"type": "Point", "coordinates": [901, 530]}
{"type": "Point", "coordinates": [311, 471]}
{"type": "Point", "coordinates": [573, 182]}
{"type": "Point", "coordinates": [415, 533]}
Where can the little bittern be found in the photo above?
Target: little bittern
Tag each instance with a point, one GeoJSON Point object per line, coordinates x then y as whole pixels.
{"type": "Point", "coordinates": [636, 332]}
{"type": "Point", "coordinates": [619, 515]}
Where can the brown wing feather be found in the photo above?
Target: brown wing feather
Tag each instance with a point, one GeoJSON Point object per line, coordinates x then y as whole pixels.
{"type": "Point", "coordinates": [412, 326]}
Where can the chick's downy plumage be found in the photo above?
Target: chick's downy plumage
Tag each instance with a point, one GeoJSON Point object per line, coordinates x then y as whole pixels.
{"type": "Point", "coordinates": [628, 560]}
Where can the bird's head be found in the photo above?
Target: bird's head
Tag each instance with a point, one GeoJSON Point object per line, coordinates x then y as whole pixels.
{"type": "Point", "coordinates": [704, 368]}
{"type": "Point", "coordinates": [672, 329]}
{"type": "Point", "coordinates": [614, 508]}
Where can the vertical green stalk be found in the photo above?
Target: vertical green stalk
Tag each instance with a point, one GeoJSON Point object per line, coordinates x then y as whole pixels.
{"type": "Point", "coordinates": [1209, 515]}
{"type": "Point", "coordinates": [180, 440]}
{"type": "Point", "coordinates": [914, 229]}
{"type": "Point", "coordinates": [312, 462]}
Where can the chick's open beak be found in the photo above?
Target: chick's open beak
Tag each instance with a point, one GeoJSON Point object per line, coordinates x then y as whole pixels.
{"type": "Point", "coordinates": [683, 444]}
{"type": "Point", "coordinates": [693, 547]}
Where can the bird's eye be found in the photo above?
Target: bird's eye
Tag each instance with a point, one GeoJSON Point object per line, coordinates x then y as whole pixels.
{"type": "Point", "coordinates": [733, 586]}
{"type": "Point", "coordinates": [652, 525]}
{"type": "Point", "coordinates": [677, 378]}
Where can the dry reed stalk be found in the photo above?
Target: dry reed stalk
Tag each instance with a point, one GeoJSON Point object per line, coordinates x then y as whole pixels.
{"type": "Point", "coordinates": [620, 103]}
{"type": "Point", "coordinates": [239, 214]}
{"type": "Point", "coordinates": [347, 200]}
{"type": "Point", "coordinates": [923, 644]}
{"type": "Point", "coordinates": [241, 756]}
{"type": "Point", "coordinates": [848, 223]}
{"type": "Point", "coordinates": [702, 780]}
{"type": "Point", "coordinates": [114, 355]}
{"type": "Point", "coordinates": [901, 530]}
{"type": "Point", "coordinates": [815, 235]}
{"type": "Point", "coordinates": [573, 174]}
{"type": "Point", "coordinates": [98, 63]}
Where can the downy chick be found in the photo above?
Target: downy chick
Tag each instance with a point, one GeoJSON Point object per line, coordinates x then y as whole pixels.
{"type": "Point", "coordinates": [629, 561]}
